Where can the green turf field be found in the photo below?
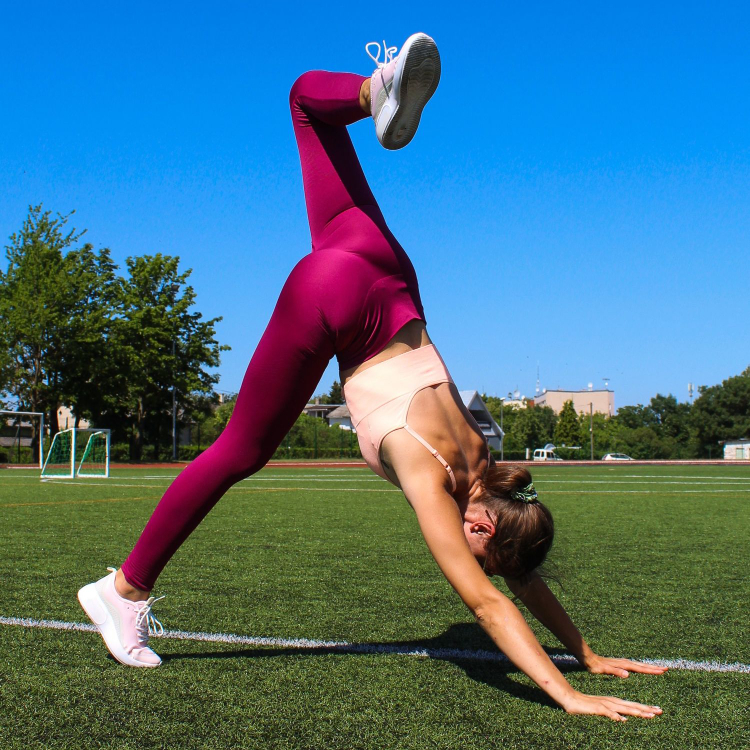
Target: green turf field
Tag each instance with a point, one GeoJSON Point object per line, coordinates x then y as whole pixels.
{"type": "Point", "coordinates": [653, 560]}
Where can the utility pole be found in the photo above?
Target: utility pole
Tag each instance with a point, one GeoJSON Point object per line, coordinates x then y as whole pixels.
{"type": "Point", "coordinates": [175, 289]}
{"type": "Point", "coordinates": [174, 409]}
{"type": "Point", "coordinates": [502, 439]}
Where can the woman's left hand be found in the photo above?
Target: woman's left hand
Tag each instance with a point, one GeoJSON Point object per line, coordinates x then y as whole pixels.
{"type": "Point", "coordinates": [619, 667]}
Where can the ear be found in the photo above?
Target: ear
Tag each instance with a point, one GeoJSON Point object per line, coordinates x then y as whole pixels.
{"type": "Point", "coordinates": [482, 528]}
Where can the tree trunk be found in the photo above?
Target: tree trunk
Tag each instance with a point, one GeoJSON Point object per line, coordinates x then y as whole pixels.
{"type": "Point", "coordinates": [54, 425]}
{"type": "Point", "coordinates": [136, 445]}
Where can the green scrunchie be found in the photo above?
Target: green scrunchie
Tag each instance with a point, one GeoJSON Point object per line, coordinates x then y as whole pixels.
{"type": "Point", "coordinates": [526, 495]}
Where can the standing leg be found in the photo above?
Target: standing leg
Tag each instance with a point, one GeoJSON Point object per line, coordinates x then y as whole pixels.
{"type": "Point", "coordinates": [283, 372]}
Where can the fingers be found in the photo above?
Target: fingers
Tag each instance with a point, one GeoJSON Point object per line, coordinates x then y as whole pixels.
{"type": "Point", "coordinates": [622, 667]}
{"type": "Point", "coordinates": [629, 708]}
{"type": "Point", "coordinates": [648, 669]}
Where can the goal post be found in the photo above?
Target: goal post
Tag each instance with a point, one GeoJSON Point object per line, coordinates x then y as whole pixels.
{"type": "Point", "coordinates": [78, 452]}
{"type": "Point", "coordinates": [18, 432]}
{"type": "Point", "coordinates": [95, 458]}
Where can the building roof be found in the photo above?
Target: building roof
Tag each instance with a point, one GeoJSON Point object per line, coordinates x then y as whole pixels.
{"type": "Point", "coordinates": [340, 412]}
{"type": "Point", "coordinates": [473, 402]}
{"type": "Point", "coordinates": [579, 390]}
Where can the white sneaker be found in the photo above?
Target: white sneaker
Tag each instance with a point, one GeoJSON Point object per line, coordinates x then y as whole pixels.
{"type": "Point", "coordinates": [401, 86]}
{"type": "Point", "coordinates": [123, 624]}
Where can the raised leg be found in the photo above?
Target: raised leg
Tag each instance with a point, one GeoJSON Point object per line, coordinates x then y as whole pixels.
{"type": "Point", "coordinates": [322, 105]}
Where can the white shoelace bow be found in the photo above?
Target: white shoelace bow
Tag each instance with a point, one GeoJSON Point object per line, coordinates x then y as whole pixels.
{"type": "Point", "coordinates": [146, 623]}
{"type": "Point", "coordinates": [388, 53]}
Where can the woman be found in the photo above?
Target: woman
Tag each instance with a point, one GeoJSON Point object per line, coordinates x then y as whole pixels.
{"type": "Point", "coordinates": [356, 297]}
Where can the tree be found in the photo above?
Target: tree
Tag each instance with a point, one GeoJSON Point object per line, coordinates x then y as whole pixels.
{"type": "Point", "coordinates": [210, 426]}
{"type": "Point", "coordinates": [722, 412]}
{"type": "Point", "coordinates": [568, 429]}
{"type": "Point", "coordinates": [54, 299]}
{"type": "Point", "coordinates": [90, 307]}
{"type": "Point", "coordinates": [334, 396]}
{"type": "Point", "coordinates": [159, 344]}
{"type": "Point", "coordinates": [531, 427]}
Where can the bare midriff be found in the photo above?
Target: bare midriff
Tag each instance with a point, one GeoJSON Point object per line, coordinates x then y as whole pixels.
{"type": "Point", "coordinates": [437, 413]}
{"type": "Point", "coordinates": [412, 336]}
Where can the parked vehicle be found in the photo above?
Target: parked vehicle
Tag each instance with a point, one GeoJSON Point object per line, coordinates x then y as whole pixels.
{"type": "Point", "coordinates": [617, 457]}
{"type": "Point", "coordinates": [546, 454]}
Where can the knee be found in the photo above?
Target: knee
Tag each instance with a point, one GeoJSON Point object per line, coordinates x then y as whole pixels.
{"type": "Point", "coordinates": [299, 86]}
{"type": "Point", "coordinates": [235, 458]}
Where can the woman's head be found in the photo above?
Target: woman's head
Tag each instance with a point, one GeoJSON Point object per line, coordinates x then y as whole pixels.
{"type": "Point", "coordinates": [523, 527]}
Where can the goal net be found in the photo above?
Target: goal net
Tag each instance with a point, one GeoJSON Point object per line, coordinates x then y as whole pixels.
{"type": "Point", "coordinates": [21, 438]}
{"type": "Point", "coordinates": [78, 452]}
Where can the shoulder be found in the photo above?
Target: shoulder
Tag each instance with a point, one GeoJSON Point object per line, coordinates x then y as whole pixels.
{"type": "Point", "coordinates": [412, 465]}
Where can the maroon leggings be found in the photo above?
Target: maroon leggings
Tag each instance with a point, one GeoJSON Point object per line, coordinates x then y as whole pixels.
{"type": "Point", "coordinates": [347, 298]}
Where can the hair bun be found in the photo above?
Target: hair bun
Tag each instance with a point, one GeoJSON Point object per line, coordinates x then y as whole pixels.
{"type": "Point", "coordinates": [526, 494]}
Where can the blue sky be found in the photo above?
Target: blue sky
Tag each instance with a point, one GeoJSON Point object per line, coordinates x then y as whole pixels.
{"type": "Point", "coordinates": [577, 197]}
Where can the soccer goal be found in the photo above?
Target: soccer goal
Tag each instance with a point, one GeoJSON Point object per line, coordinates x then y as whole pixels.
{"type": "Point", "coordinates": [21, 437]}
{"type": "Point", "coordinates": [78, 452]}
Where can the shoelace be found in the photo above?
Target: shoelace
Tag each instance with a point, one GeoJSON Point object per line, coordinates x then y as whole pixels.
{"type": "Point", "coordinates": [388, 53]}
{"type": "Point", "coordinates": [146, 623]}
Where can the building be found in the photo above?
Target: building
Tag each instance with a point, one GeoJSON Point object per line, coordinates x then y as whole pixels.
{"type": "Point", "coordinates": [517, 402]}
{"type": "Point", "coordinates": [340, 416]}
{"type": "Point", "coordinates": [316, 409]}
{"type": "Point", "coordinates": [602, 399]}
{"type": "Point", "coordinates": [66, 419]}
{"type": "Point", "coordinates": [490, 429]}
{"type": "Point", "coordinates": [737, 450]}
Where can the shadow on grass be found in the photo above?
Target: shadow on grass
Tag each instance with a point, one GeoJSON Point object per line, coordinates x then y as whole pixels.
{"type": "Point", "coordinates": [460, 637]}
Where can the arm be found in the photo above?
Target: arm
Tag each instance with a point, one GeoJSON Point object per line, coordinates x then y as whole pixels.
{"type": "Point", "coordinates": [543, 604]}
{"type": "Point", "coordinates": [442, 527]}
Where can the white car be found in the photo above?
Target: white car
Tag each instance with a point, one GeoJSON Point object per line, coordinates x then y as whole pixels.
{"type": "Point", "coordinates": [545, 454]}
{"type": "Point", "coordinates": [617, 457]}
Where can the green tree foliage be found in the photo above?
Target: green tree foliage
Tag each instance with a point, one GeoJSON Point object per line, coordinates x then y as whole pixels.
{"type": "Point", "coordinates": [159, 344]}
{"type": "Point", "coordinates": [208, 424]}
{"type": "Point", "coordinates": [334, 396]}
{"type": "Point", "coordinates": [568, 431]}
{"type": "Point", "coordinates": [55, 301]}
{"type": "Point", "coordinates": [311, 437]}
{"type": "Point", "coordinates": [722, 412]}
{"type": "Point", "coordinates": [662, 429]}
{"type": "Point", "coordinates": [74, 333]}
{"type": "Point", "coordinates": [531, 427]}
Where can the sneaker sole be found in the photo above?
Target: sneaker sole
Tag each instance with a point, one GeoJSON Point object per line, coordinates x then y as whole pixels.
{"type": "Point", "coordinates": [97, 612]}
{"type": "Point", "coordinates": [418, 80]}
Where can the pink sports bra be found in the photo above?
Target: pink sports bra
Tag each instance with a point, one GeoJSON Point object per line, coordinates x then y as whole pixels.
{"type": "Point", "coordinates": [379, 398]}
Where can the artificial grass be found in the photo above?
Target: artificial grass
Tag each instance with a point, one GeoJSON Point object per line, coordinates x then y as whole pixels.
{"type": "Point", "coordinates": [337, 555]}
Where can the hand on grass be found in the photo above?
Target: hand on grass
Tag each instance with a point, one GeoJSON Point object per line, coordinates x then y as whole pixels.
{"type": "Point", "coordinates": [613, 708]}
{"type": "Point", "coordinates": [619, 667]}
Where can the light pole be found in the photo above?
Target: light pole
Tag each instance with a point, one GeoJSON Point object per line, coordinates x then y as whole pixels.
{"type": "Point", "coordinates": [591, 428]}
{"type": "Point", "coordinates": [175, 289]}
{"type": "Point", "coordinates": [174, 407]}
{"type": "Point", "coordinates": [502, 411]}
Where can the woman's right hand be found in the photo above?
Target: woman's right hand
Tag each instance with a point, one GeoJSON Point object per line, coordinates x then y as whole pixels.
{"type": "Point", "coordinates": [616, 709]}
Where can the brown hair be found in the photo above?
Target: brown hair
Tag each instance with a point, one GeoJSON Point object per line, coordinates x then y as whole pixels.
{"type": "Point", "coordinates": [523, 530]}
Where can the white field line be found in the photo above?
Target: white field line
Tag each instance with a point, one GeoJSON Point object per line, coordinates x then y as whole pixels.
{"type": "Point", "coordinates": [707, 490]}
{"type": "Point", "coordinates": [345, 647]}
{"type": "Point", "coordinates": [737, 481]}
{"type": "Point", "coordinates": [709, 481]}
{"type": "Point", "coordinates": [235, 488]}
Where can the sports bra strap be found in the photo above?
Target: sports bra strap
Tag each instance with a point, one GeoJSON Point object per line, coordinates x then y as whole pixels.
{"type": "Point", "coordinates": [417, 436]}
